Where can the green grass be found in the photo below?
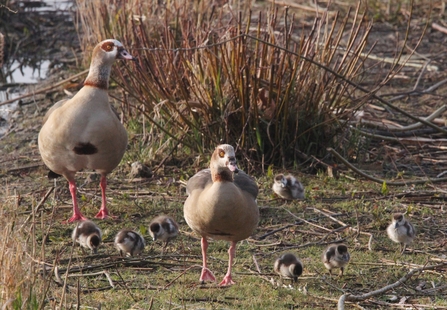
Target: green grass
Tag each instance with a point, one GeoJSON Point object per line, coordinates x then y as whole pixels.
{"type": "Point", "coordinates": [171, 281]}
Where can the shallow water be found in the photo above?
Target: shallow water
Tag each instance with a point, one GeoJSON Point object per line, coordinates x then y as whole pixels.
{"type": "Point", "coordinates": [20, 74]}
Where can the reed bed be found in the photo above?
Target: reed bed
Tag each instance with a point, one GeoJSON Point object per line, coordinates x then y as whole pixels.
{"type": "Point", "coordinates": [208, 74]}
{"type": "Point", "coordinates": [17, 276]}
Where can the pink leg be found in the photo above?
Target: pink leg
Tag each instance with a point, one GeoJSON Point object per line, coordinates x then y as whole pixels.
{"type": "Point", "coordinates": [206, 274]}
{"type": "Point", "coordinates": [227, 280]}
{"type": "Point", "coordinates": [77, 215]}
{"type": "Point", "coordinates": [103, 212]}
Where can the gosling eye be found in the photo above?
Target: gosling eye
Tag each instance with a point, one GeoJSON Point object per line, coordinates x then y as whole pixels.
{"type": "Point", "coordinates": [221, 154]}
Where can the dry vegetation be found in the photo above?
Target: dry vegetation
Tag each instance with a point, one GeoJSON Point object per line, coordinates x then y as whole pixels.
{"type": "Point", "coordinates": [282, 86]}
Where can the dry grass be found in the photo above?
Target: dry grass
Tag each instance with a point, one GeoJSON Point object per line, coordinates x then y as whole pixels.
{"type": "Point", "coordinates": [154, 281]}
{"type": "Point", "coordinates": [17, 276]}
{"type": "Point", "coordinates": [229, 86]}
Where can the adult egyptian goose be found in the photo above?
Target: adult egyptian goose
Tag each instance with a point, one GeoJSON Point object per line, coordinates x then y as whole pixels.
{"type": "Point", "coordinates": [336, 256]}
{"type": "Point", "coordinates": [221, 205]}
{"type": "Point", "coordinates": [163, 228]}
{"type": "Point", "coordinates": [288, 187]}
{"type": "Point", "coordinates": [401, 231]}
{"type": "Point", "coordinates": [129, 242]}
{"type": "Point", "coordinates": [288, 266]}
{"type": "Point", "coordinates": [83, 132]}
{"type": "Point", "coordinates": [88, 235]}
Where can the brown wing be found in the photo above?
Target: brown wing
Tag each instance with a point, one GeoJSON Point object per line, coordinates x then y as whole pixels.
{"type": "Point", "coordinates": [246, 183]}
{"type": "Point", "coordinates": [199, 181]}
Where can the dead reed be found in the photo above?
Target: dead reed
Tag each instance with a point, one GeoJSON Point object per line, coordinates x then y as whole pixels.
{"type": "Point", "coordinates": [2, 48]}
{"type": "Point", "coordinates": [207, 74]}
{"type": "Point", "coordinates": [17, 276]}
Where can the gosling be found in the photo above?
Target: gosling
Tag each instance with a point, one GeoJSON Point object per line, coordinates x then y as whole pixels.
{"type": "Point", "coordinates": [336, 256]}
{"type": "Point", "coordinates": [163, 228]}
{"type": "Point", "coordinates": [88, 235]}
{"type": "Point", "coordinates": [288, 187]}
{"type": "Point", "coordinates": [401, 231]}
{"type": "Point", "coordinates": [288, 266]}
{"type": "Point", "coordinates": [129, 242]}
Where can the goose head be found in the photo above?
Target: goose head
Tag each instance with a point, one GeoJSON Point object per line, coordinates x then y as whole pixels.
{"type": "Point", "coordinates": [223, 162]}
{"type": "Point", "coordinates": [109, 50]}
{"type": "Point", "coordinates": [104, 55]}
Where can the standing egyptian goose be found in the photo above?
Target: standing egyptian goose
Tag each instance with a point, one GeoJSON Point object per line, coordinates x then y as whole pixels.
{"type": "Point", "coordinates": [336, 256]}
{"type": "Point", "coordinates": [88, 235]}
{"type": "Point", "coordinates": [288, 266]}
{"type": "Point", "coordinates": [221, 205]}
{"type": "Point", "coordinates": [401, 231]}
{"type": "Point", "coordinates": [129, 242]}
{"type": "Point", "coordinates": [163, 228]}
{"type": "Point", "coordinates": [288, 187]}
{"type": "Point", "coordinates": [83, 132]}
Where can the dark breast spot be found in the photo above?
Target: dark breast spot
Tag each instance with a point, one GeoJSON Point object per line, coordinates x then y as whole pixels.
{"type": "Point", "coordinates": [85, 149]}
{"type": "Point", "coordinates": [53, 175]}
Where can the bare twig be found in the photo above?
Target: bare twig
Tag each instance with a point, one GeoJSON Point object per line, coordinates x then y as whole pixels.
{"type": "Point", "coordinates": [381, 181]}
{"type": "Point", "coordinates": [344, 226]}
{"type": "Point", "coordinates": [439, 27]}
{"type": "Point", "coordinates": [124, 284]}
{"type": "Point", "coordinates": [348, 297]}
{"type": "Point", "coordinates": [274, 231]}
{"type": "Point", "coordinates": [181, 274]}
{"type": "Point", "coordinates": [305, 221]}
{"type": "Point", "coordinates": [42, 201]}
{"type": "Point", "coordinates": [256, 264]}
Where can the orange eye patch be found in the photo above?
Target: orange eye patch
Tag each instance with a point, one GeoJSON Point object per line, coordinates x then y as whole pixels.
{"type": "Point", "coordinates": [107, 46]}
{"type": "Point", "coordinates": [221, 153]}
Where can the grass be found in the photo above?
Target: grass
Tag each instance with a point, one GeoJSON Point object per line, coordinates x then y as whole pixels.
{"type": "Point", "coordinates": [153, 281]}
{"type": "Point", "coordinates": [171, 281]}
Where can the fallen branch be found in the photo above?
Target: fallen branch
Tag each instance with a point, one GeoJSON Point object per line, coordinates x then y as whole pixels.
{"type": "Point", "coordinates": [408, 140]}
{"type": "Point", "coordinates": [44, 90]}
{"type": "Point", "coordinates": [381, 181]}
{"type": "Point", "coordinates": [413, 126]}
{"type": "Point", "coordinates": [348, 297]}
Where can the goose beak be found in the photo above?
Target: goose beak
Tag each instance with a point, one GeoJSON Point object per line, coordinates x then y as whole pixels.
{"type": "Point", "coordinates": [124, 54]}
{"type": "Point", "coordinates": [232, 165]}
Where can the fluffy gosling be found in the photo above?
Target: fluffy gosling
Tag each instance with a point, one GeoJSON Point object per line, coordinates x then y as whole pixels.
{"type": "Point", "coordinates": [401, 231]}
{"type": "Point", "coordinates": [163, 228]}
{"type": "Point", "coordinates": [88, 235]}
{"type": "Point", "coordinates": [288, 266]}
{"type": "Point", "coordinates": [129, 242]}
{"type": "Point", "coordinates": [336, 256]}
{"type": "Point", "coordinates": [288, 187]}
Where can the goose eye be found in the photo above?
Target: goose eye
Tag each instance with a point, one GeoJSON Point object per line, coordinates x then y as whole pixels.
{"type": "Point", "coordinates": [221, 154]}
{"type": "Point", "coordinates": [108, 46]}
